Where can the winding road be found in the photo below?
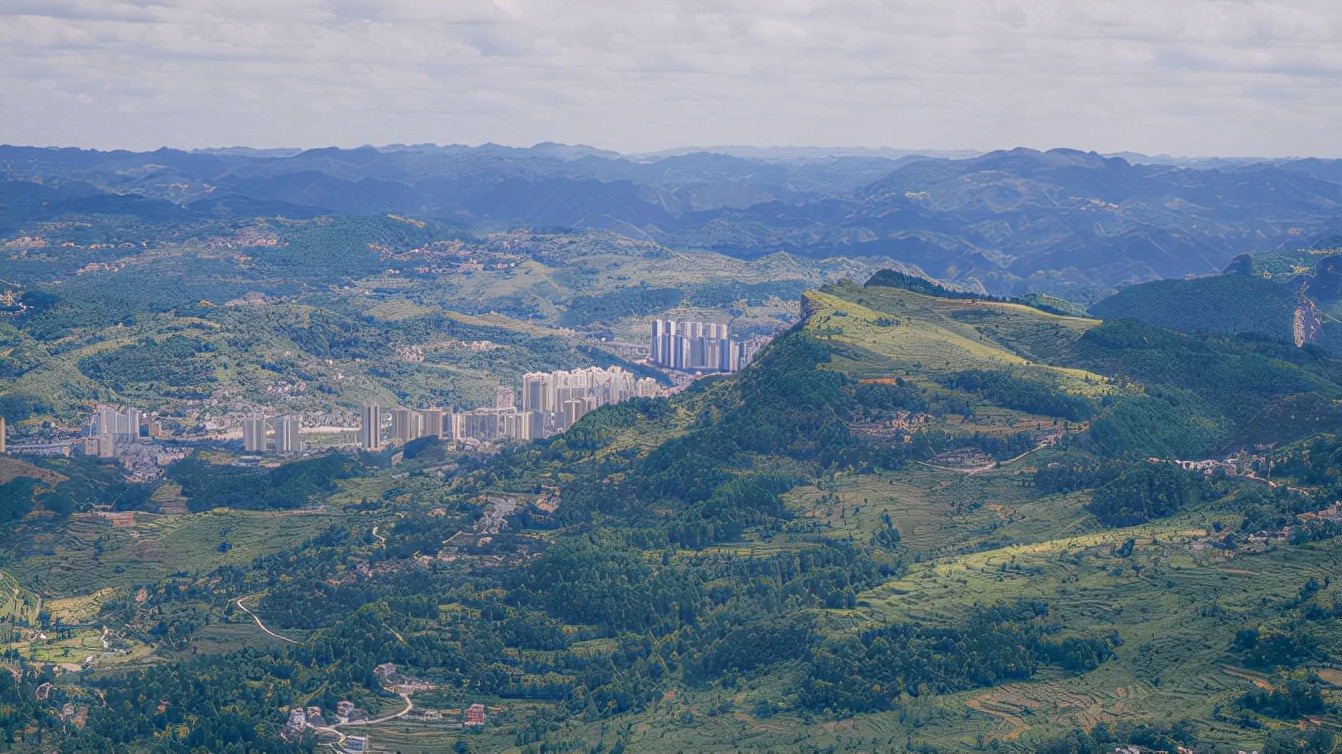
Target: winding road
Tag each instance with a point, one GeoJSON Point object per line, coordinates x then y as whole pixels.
{"type": "Point", "coordinates": [989, 466]}
{"type": "Point", "coordinates": [261, 625]}
{"type": "Point", "coordinates": [409, 705]}
{"type": "Point", "coordinates": [334, 729]}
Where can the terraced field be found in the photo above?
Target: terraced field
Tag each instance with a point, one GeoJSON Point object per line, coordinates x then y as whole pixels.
{"type": "Point", "coordinates": [17, 603]}
{"type": "Point", "coordinates": [1176, 608]}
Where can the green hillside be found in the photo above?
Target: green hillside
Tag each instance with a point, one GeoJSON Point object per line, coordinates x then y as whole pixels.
{"type": "Point", "coordinates": [914, 523]}
{"type": "Point", "coordinates": [1260, 296]}
{"type": "Point", "coordinates": [1216, 304]}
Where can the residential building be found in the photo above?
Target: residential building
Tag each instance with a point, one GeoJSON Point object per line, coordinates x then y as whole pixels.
{"type": "Point", "coordinates": [647, 388]}
{"type": "Point", "coordinates": [751, 347]}
{"type": "Point", "coordinates": [3, 439]}
{"type": "Point", "coordinates": [537, 425]}
{"type": "Point", "coordinates": [406, 425]}
{"type": "Point", "coordinates": [254, 434]}
{"type": "Point", "coordinates": [661, 341]}
{"type": "Point", "coordinates": [538, 391]}
{"type": "Point", "coordinates": [551, 403]}
{"type": "Point", "coordinates": [296, 725]}
{"type": "Point", "coordinates": [485, 424]}
{"type": "Point", "coordinates": [122, 426]}
{"type": "Point", "coordinates": [370, 427]}
{"type": "Point", "coordinates": [286, 434]}
{"type": "Point", "coordinates": [475, 715]}
{"type": "Point", "coordinates": [433, 422]}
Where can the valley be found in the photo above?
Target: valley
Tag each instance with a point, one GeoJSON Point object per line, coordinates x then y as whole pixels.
{"type": "Point", "coordinates": [968, 442]}
{"type": "Point", "coordinates": [927, 515]}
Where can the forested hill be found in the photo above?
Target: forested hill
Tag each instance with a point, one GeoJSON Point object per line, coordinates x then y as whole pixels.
{"type": "Point", "coordinates": [1294, 296]}
{"type": "Point", "coordinates": [1060, 221]}
{"type": "Point", "coordinates": [916, 522]}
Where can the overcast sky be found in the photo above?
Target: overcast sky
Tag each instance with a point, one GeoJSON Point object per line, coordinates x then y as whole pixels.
{"type": "Point", "coordinates": [1187, 77]}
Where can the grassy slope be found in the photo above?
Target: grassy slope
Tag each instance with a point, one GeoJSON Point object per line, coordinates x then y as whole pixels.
{"type": "Point", "coordinates": [1173, 661]}
{"type": "Point", "coordinates": [924, 335]}
{"type": "Point", "coordinates": [1176, 614]}
{"type": "Point", "coordinates": [89, 553]}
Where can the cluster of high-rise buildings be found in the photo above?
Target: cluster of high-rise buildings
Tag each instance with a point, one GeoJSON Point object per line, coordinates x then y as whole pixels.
{"type": "Point", "coordinates": [551, 403]}
{"type": "Point", "coordinates": [285, 428]}
{"type": "Point", "coordinates": [406, 424]}
{"type": "Point", "coordinates": [563, 397]}
{"type": "Point", "coordinates": [112, 426]}
{"type": "Point", "coordinates": [698, 347]}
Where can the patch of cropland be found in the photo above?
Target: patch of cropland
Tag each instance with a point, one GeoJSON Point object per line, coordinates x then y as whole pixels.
{"type": "Point", "coordinates": [917, 521]}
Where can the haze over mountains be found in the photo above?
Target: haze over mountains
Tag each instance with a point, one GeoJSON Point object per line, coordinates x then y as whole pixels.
{"type": "Point", "coordinates": [1062, 221]}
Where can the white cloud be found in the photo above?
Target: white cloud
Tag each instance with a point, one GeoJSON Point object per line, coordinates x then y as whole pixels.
{"type": "Point", "coordinates": [1195, 77]}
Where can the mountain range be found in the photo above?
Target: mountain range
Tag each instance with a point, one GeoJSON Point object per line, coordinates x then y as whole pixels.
{"type": "Point", "coordinates": [1071, 223]}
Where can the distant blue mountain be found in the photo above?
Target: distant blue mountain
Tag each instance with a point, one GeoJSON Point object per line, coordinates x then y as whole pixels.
{"type": "Point", "coordinates": [1014, 221]}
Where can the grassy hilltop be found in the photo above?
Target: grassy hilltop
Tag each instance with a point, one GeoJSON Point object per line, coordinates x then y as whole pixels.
{"type": "Point", "coordinates": [921, 521]}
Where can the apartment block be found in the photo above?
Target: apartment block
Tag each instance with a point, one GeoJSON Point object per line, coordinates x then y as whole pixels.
{"type": "Point", "coordinates": [254, 434]}
{"type": "Point", "coordinates": [370, 427]}
{"type": "Point", "coordinates": [286, 434]}
{"type": "Point", "coordinates": [694, 346]}
{"type": "Point", "coordinates": [433, 422]}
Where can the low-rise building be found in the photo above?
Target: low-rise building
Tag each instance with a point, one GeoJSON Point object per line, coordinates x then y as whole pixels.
{"type": "Point", "coordinates": [295, 725]}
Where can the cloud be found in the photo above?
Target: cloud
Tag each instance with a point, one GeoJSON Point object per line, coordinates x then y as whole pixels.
{"type": "Point", "coordinates": [1194, 77]}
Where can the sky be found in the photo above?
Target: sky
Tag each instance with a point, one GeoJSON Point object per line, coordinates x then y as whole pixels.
{"type": "Point", "coordinates": [1179, 77]}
